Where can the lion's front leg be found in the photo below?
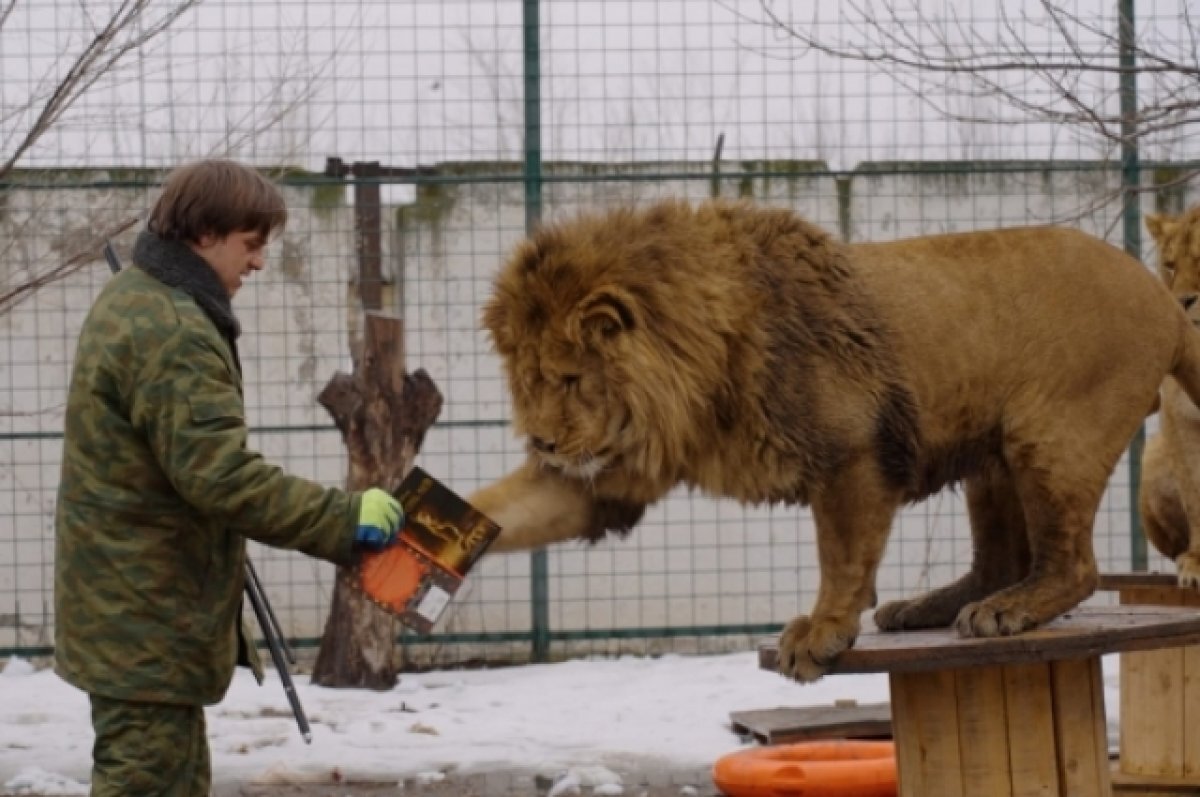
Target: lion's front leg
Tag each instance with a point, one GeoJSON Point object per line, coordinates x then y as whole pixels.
{"type": "Point", "coordinates": [853, 519]}
{"type": "Point", "coordinates": [534, 507]}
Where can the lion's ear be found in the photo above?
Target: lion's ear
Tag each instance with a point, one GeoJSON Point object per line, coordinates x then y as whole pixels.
{"type": "Point", "coordinates": [1160, 225]}
{"type": "Point", "coordinates": [606, 313]}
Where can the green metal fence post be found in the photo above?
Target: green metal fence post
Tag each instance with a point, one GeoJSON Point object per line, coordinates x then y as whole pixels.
{"type": "Point", "coordinates": [1132, 220]}
{"type": "Point", "coordinates": [539, 574]}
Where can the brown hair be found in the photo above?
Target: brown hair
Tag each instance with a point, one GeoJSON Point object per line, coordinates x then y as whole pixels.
{"type": "Point", "coordinates": [216, 197]}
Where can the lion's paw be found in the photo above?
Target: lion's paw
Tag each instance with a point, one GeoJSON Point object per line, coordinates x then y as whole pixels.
{"type": "Point", "coordinates": [808, 647]}
{"type": "Point", "coordinates": [1187, 566]}
{"type": "Point", "coordinates": [893, 616]}
{"type": "Point", "coordinates": [987, 618]}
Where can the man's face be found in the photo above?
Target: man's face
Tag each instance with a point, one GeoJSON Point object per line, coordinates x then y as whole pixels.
{"type": "Point", "coordinates": [233, 256]}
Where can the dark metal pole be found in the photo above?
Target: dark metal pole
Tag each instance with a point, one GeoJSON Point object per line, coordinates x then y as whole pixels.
{"type": "Point", "coordinates": [539, 571]}
{"type": "Point", "coordinates": [262, 611]}
{"type": "Point", "coordinates": [1131, 213]}
{"type": "Point", "coordinates": [253, 582]}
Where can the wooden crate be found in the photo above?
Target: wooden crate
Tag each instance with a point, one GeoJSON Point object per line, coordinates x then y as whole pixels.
{"type": "Point", "coordinates": [1020, 715]}
{"type": "Point", "coordinates": [1160, 699]}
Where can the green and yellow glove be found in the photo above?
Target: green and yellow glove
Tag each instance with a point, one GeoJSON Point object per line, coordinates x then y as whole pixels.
{"type": "Point", "coordinates": [379, 518]}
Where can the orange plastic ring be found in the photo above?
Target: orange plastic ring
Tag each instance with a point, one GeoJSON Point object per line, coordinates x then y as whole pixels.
{"type": "Point", "coordinates": [810, 769]}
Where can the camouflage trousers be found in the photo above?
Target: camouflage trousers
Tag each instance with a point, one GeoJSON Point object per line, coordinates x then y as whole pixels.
{"type": "Point", "coordinates": [145, 749]}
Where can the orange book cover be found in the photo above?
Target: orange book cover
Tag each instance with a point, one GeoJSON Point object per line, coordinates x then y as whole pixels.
{"type": "Point", "coordinates": [443, 536]}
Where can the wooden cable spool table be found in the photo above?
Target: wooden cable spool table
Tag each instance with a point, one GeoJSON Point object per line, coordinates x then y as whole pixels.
{"type": "Point", "coordinates": [1019, 715]}
{"type": "Point", "coordinates": [1160, 698]}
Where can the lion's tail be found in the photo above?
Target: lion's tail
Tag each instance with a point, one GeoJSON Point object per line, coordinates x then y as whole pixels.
{"type": "Point", "coordinates": [1187, 364]}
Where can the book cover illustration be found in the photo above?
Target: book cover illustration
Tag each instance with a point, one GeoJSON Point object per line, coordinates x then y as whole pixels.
{"type": "Point", "coordinates": [442, 538]}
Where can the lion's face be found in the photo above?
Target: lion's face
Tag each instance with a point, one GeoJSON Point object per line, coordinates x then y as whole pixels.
{"type": "Point", "coordinates": [609, 358]}
{"type": "Point", "coordinates": [567, 405]}
{"type": "Point", "coordinates": [1178, 241]}
{"type": "Point", "coordinates": [562, 342]}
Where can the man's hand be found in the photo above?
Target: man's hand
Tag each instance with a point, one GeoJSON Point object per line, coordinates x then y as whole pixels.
{"type": "Point", "coordinates": [379, 518]}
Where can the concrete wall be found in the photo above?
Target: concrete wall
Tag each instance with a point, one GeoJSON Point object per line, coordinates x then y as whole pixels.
{"type": "Point", "coordinates": [693, 562]}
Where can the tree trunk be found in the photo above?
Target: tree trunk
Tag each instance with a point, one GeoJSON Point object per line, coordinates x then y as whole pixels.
{"type": "Point", "coordinates": [383, 414]}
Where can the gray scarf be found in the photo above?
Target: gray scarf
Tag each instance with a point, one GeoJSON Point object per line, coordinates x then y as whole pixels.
{"type": "Point", "coordinates": [173, 263]}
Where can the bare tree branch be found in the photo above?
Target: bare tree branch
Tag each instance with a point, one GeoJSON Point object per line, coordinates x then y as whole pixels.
{"type": "Point", "coordinates": [6, 11]}
{"type": "Point", "coordinates": [1067, 74]}
{"type": "Point", "coordinates": [125, 31]}
{"type": "Point", "coordinates": [290, 93]}
{"type": "Point", "coordinates": [81, 258]}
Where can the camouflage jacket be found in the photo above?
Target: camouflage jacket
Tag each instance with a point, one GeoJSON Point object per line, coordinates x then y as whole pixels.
{"type": "Point", "coordinates": [159, 491]}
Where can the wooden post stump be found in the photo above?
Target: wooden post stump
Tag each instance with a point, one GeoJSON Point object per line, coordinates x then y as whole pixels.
{"type": "Point", "coordinates": [1160, 699]}
{"type": "Point", "coordinates": [383, 414]}
{"type": "Point", "coordinates": [1020, 715]}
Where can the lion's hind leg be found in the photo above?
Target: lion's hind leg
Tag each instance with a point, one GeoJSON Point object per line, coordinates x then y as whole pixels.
{"type": "Point", "coordinates": [1000, 556]}
{"type": "Point", "coordinates": [1163, 517]}
{"type": "Point", "coordinates": [1059, 483]}
{"type": "Point", "coordinates": [1170, 490]}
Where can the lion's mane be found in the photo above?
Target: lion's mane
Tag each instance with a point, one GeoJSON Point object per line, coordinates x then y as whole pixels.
{"type": "Point", "coordinates": [697, 344]}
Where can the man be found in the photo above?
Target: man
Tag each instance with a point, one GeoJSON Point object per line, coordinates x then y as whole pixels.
{"type": "Point", "coordinates": [159, 490]}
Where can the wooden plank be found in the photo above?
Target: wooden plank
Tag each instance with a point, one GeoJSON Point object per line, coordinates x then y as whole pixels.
{"type": "Point", "coordinates": [1152, 713]}
{"type": "Point", "coordinates": [983, 732]}
{"type": "Point", "coordinates": [924, 716]}
{"type": "Point", "coordinates": [909, 771]}
{"type": "Point", "coordinates": [1100, 708]}
{"type": "Point", "coordinates": [1132, 585]}
{"type": "Point", "coordinates": [1191, 714]}
{"type": "Point", "coordinates": [1151, 698]}
{"type": "Point", "coordinates": [1143, 697]}
{"type": "Point", "coordinates": [1084, 632]}
{"type": "Point", "coordinates": [783, 725]}
{"type": "Point", "coordinates": [1151, 596]}
{"type": "Point", "coordinates": [1118, 581]}
{"type": "Point", "coordinates": [1029, 706]}
{"type": "Point", "coordinates": [1149, 708]}
{"type": "Point", "coordinates": [1126, 785]}
{"type": "Point", "coordinates": [1080, 733]}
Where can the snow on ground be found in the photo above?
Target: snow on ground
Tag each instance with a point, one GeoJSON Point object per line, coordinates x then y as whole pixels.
{"type": "Point", "coordinates": [590, 718]}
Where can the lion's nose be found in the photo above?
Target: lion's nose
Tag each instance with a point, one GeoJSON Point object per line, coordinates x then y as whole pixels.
{"type": "Point", "coordinates": [542, 445]}
{"type": "Point", "coordinates": [1187, 300]}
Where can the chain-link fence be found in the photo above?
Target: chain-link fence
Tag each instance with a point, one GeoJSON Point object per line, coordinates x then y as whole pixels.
{"type": "Point", "coordinates": [461, 124]}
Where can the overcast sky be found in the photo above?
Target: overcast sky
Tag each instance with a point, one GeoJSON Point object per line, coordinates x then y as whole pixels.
{"type": "Point", "coordinates": [411, 82]}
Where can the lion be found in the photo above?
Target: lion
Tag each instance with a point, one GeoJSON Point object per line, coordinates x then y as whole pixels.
{"type": "Point", "coordinates": [741, 351]}
{"type": "Point", "coordinates": [1174, 453]}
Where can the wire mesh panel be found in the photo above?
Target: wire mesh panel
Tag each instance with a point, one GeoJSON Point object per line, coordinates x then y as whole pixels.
{"type": "Point", "coordinates": [477, 119]}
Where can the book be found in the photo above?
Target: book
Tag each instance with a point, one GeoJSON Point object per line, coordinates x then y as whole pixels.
{"type": "Point", "coordinates": [443, 537]}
